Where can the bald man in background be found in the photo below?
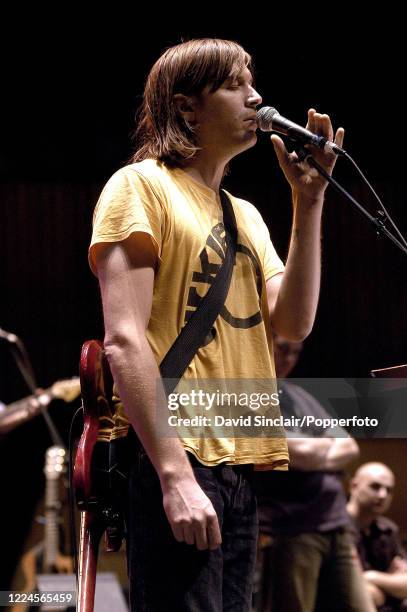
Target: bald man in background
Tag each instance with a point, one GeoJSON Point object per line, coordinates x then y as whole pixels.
{"type": "Point", "coordinates": [383, 559]}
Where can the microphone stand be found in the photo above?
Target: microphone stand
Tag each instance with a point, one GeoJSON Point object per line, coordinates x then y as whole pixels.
{"type": "Point", "coordinates": [22, 360]}
{"type": "Point", "coordinates": [378, 222]}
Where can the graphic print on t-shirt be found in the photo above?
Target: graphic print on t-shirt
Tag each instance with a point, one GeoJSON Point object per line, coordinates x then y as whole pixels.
{"type": "Point", "coordinates": [216, 243]}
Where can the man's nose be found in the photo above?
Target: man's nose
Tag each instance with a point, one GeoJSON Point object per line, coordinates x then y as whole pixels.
{"type": "Point", "coordinates": [383, 492]}
{"type": "Point", "coordinates": [255, 98]}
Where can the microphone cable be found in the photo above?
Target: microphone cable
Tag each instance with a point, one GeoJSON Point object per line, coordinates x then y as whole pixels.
{"type": "Point", "coordinates": [382, 206]}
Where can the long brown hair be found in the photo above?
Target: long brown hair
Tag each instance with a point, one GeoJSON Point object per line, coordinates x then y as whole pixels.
{"type": "Point", "coordinates": [187, 68]}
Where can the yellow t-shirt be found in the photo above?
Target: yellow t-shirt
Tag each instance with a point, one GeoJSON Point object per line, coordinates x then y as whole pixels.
{"type": "Point", "coordinates": [184, 219]}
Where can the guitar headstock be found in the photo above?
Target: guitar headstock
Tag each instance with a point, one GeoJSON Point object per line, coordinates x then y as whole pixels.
{"type": "Point", "coordinates": [67, 389]}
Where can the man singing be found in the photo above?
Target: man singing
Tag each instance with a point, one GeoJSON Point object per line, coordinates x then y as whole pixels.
{"type": "Point", "coordinates": [157, 243]}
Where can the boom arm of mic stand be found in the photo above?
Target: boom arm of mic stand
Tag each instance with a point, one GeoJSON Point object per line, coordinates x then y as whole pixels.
{"type": "Point", "coordinates": [22, 360]}
{"type": "Point", "coordinates": [305, 155]}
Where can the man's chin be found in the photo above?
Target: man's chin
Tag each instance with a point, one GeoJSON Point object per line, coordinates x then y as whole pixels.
{"type": "Point", "coordinates": [250, 139]}
{"type": "Point", "coordinates": [379, 510]}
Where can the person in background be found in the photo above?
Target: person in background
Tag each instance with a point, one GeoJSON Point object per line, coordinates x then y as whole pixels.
{"type": "Point", "coordinates": [308, 559]}
{"type": "Point", "coordinates": [377, 539]}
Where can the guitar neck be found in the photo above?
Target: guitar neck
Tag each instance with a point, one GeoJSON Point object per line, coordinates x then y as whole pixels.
{"type": "Point", "coordinates": [27, 408]}
{"type": "Point", "coordinates": [52, 511]}
{"type": "Point", "coordinates": [24, 410]}
{"type": "Point", "coordinates": [54, 468]}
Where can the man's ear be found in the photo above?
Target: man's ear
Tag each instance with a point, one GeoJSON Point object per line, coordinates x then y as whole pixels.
{"type": "Point", "coordinates": [185, 107]}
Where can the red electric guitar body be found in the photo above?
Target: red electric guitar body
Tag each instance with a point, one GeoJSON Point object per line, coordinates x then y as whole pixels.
{"type": "Point", "coordinates": [95, 500]}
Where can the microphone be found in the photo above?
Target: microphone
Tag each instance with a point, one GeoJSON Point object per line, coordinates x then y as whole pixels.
{"type": "Point", "coordinates": [269, 119]}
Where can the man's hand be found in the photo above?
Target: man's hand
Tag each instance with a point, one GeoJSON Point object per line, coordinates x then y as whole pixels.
{"type": "Point", "coordinates": [191, 514]}
{"type": "Point", "coordinates": [303, 179]}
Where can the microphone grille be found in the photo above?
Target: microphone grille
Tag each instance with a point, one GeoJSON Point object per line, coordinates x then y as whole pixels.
{"type": "Point", "coordinates": [265, 118]}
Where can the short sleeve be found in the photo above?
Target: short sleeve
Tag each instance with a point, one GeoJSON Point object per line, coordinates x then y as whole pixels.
{"type": "Point", "coordinates": [127, 204]}
{"type": "Point", "coordinates": [272, 263]}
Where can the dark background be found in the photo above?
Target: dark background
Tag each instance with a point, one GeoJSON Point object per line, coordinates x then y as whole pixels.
{"type": "Point", "coordinates": [70, 91]}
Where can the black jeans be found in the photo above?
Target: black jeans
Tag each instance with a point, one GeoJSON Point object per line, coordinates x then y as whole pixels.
{"type": "Point", "coordinates": [166, 575]}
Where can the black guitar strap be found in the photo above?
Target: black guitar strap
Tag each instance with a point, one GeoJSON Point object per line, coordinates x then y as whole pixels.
{"type": "Point", "coordinates": [194, 332]}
